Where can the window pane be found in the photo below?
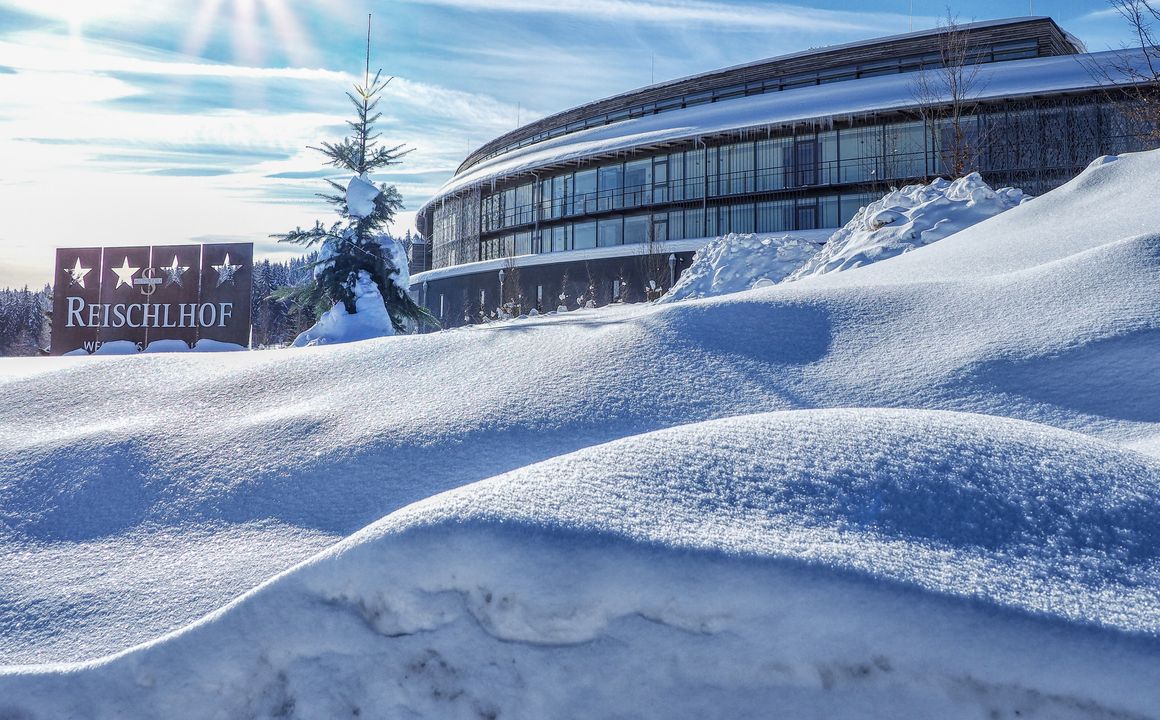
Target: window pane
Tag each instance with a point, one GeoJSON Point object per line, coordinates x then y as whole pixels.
{"type": "Point", "coordinates": [677, 176]}
{"type": "Point", "coordinates": [677, 225]}
{"type": "Point", "coordinates": [771, 163]}
{"type": "Point", "coordinates": [636, 229]}
{"type": "Point", "coordinates": [694, 223]}
{"type": "Point", "coordinates": [524, 204]}
{"type": "Point", "coordinates": [741, 220]}
{"type": "Point", "coordinates": [560, 238]}
{"type": "Point", "coordinates": [859, 154]}
{"type": "Point", "coordinates": [584, 193]}
{"type": "Point", "coordinates": [637, 181]}
{"type": "Point", "coordinates": [776, 216]}
{"type": "Point", "coordinates": [583, 235]}
{"type": "Point", "coordinates": [609, 232]}
{"type": "Point", "coordinates": [610, 187]}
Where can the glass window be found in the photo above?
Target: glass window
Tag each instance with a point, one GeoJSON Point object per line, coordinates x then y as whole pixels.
{"type": "Point", "coordinates": [560, 238]}
{"type": "Point", "coordinates": [637, 181]}
{"type": "Point", "coordinates": [677, 225]}
{"type": "Point", "coordinates": [636, 229]}
{"type": "Point", "coordinates": [584, 235]}
{"type": "Point", "coordinates": [775, 216]}
{"type": "Point", "coordinates": [523, 243]}
{"type": "Point", "coordinates": [509, 207]}
{"type": "Point", "coordinates": [741, 218]}
{"type": "Point", "coordinates": [694, 174]}
{"type": "Point", "coordinates": [905, 150]}
{"type": "Point", "coordinates": [677, 176]}
{"type": "Point", "coordinates": [828, 214]}
{"type": "Point", "coordinates": [660, 179]}
{"type": "Point", "coordinates": [559, 194]}
{"type": "Point", "coordinates": [713, 170]}
{"type": "Point", "coordinates": [610, 186]}
{"type": "Point", "coordinates": [859, 153]}
{"type": "Point", "coordinates": [660, 227]}
{"type": "Point", "coordinates": [609, 232]}
{"type": "Point", "coordinates": [807, 214]}
{"type": "Point", "coordinates": [850, 204]}
{"type": "Point", "coordinates": [736, 169]}
{"type": "Point", "coordinates": [524, 204]}
{"type": "Point", "coordinates": [694, 223]}
{"type": "Point", "coordinates": [828, 157]}
{"type": "Point", "coordinates": [545, 199]}
{"type": "Point", "coordinates": [584, 193]}
{"type": "Point", "coordinates": [772, 156]}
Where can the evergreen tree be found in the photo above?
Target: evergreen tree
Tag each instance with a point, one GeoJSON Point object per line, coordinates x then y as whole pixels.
{"type": "Point", "coordinates": [356, 243]}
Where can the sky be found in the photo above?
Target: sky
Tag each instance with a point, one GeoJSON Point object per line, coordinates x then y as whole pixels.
{"type": "Point", "coordinates": [132, 122]}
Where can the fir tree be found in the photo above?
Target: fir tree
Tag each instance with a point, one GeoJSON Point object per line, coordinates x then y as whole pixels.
{"type": "Point", "coordinates": [356, 243]}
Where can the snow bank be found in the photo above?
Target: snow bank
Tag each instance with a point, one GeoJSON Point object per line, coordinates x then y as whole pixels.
{"type": "Point", "coordinates": [137, 493]}
{"type": "Point", "coordinates": [910, 218]}
{"type": "Point", "coordinates": [836, 564]}
{"type": "Point", "coordinates": [370, 320]}
{"type": "Point", "coordinates": [737, 262]}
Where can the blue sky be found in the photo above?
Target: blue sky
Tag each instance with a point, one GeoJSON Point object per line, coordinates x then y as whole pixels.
{"type": "Point", "coordinates": [154, 121]}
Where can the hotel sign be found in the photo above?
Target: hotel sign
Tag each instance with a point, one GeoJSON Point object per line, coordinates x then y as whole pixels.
{"type": "Point", "coordinates": [144, 294]}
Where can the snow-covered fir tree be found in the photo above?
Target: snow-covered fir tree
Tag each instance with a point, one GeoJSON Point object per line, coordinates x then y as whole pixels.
{"type": "Point", "coordinates": [361, 275]}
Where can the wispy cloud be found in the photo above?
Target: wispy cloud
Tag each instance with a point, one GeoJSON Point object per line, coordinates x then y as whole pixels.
{"type": "Point", "coordinates": [754, 16]}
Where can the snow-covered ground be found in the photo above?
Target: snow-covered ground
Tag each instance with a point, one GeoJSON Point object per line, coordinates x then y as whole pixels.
{"type": "Point", "coordinates": [919, 488]}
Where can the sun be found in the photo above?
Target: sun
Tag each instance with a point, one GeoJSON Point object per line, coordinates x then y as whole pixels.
{"type": "Point", "coordinates": [250, 23]}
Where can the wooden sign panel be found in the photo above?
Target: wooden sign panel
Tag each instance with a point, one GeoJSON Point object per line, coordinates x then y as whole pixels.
{"type": "Point", "coordinates": [138, 296]}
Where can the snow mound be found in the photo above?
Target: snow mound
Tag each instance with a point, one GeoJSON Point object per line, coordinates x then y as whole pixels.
{"type": "Point", "coordinates": [737, 262]}
{"type": "Point", "coordinates": [910, 218]}
{"type": "Point", "coordinates": [138, 493]}
{"type": "Point", "coordinates": [336, 325]}
{"type": "Point", "coordinates": [838, 564]}
{"type": "Point", "coordinates": [360, 197]}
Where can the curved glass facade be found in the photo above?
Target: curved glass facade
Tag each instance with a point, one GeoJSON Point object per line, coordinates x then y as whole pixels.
{"type": "Point", "coordinates": [803, 179]}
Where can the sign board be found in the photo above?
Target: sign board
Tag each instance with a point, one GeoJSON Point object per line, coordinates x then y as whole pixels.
{"type": "Point", "coordinates": [140, 295]}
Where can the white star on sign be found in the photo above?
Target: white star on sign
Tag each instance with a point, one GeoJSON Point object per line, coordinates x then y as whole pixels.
{"type": "Point", "coordinates": [226, 271]}
{"type": "Point", "coordinates": [125, 273]}
{"type": "Point", "coordinates": [173, 273]}
{"type": "Point", "coordinates": [77, 274]}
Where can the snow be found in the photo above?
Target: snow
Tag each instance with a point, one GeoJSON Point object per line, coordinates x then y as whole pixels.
{"type": "Point", "coordinates": [636, 580]}
{"type": "Point", "coordinates": [909, 218]}
{"type": "Point", "coordinates": [925, 487]}
{"type": "Point", "coordinates": [370, 319]}
{"type": "Point", "coordinates": [1010, 79]}
{"type": "Point", "coordinates": [360, 197]}
{"type": "Point", "coordinates": [738, 261]}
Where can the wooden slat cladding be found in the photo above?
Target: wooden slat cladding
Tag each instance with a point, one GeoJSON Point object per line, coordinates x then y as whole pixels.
{"type": "Point", "coordinates": [1034, 37]}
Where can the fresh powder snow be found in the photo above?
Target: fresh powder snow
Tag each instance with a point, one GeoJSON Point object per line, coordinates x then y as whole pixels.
{"type": "Point", "coordinates": [917, 488]}
{"type": "Point", "coordinates": [909, 218]}
{"type": "Point", "coordinates": [741, 261]}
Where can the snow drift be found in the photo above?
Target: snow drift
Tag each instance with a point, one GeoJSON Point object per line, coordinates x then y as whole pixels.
{"type": "Point", "coordinates": [909, 218]}
{"type": "Point", "coordinates": [836, 564]}
{"type": "Point", "coordinates": [138, 494]}
{"type": "Point", "coordinates": [737, 262]}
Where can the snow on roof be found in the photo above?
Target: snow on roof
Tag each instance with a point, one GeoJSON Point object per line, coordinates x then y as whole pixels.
{"type": "Point", "coordinates": [891, 92]}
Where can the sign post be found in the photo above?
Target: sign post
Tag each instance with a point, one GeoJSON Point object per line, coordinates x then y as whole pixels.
{"type": "Point", "coordinates": [136, 296]}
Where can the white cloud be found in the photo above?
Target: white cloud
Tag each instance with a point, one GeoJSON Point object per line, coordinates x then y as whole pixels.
{"type": "Point", "coordinates": [758, 16]}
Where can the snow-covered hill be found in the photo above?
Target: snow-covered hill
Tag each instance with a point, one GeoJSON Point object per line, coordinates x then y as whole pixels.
{"type": "Point", "coordinates": [1018, 558]}
{"type": "Point", "coordinates": [832, 564]}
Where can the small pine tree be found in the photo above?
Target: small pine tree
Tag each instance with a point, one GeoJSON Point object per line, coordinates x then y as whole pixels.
{"type": "Point", "coordinates": [356, 243]}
